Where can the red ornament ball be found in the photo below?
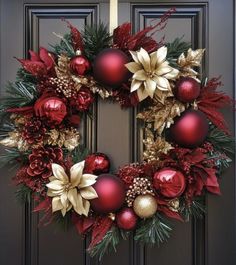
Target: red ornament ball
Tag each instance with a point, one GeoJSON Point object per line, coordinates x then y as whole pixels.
{"type": "Point", "coordinates": [53, 108]}
{"type": "Point", "coordinates": [109, 67]}
{"type": "Point", "coordinates": [190, 129]}
{"type": "Point", "coordinates": [126, 219]}
{"type": "Point", "coordinates": [187, 89]}
{"type": "Point", "coordinates": [169, 182]}
{"type": "Point", "coordinates": [79, 65]}
{"type": "Point", "coordinates": [111, 194]}
{"type": "Point", "coordinates": [97, 163]}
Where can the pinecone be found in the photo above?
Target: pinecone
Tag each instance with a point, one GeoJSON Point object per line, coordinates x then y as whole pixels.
{"type": "Point", "coordinates": [33, 132]}
{"type": "Point", "coordinates": [41, 161]}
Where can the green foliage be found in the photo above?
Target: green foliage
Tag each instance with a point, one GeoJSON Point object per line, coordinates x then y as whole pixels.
{"type": "Point", "coordinates": [23, 76]}
{"type": "Point", "coordinates": [6, 127]}
{"type": "Point", "coordinates": [63, 222]}
{"type": "Point", "coordinates": [23, 194]}
{"type": "Point", "coordinates": [78, 154]}
{"type": "Point", "coordinates": [153, 230]}
{"type": "Point", "coordinates": [196, 209]}
{"type": "Point", "coordinates": [19, 94]}
{"type": "Point", "coordinates": [175, 48]}
{"type": "Point", "coordinates": [64, 46]}
{"type": "Point", "coordinates": [10, 156]}
{"type": "Point", "coordinates": [96, 38]}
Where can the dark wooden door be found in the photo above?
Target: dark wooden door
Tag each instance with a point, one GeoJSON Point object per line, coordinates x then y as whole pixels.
{"type": "Point", "coordinates": [206, 23]}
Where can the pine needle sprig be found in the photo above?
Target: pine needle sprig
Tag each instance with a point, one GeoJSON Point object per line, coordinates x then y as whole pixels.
{"type": "Point", "coordinates": [23, 76]}
{"type": "Point", "coordinates": [96, 38]}
{"type": "Point", "coordinates": [6, 127]}
{"type": "Point", "coordinates": [153, 230]}
{"type": "Point", "coordinates": [175, 48]}
{"type": "Point", "coordinates": [78, 154]}
{"type": "Point", "coordinates": [23, 194]}
{"type": "Point", "coordinates": [196, 209]}
{"type": "Point", "coordinates": [10, 156]}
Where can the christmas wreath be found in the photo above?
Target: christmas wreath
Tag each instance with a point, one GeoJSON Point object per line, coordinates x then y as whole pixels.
{"type": "Point", "coordinates": [186, 141]}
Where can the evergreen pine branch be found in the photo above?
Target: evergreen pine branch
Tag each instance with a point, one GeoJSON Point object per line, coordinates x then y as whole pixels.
{"type": "Point", "coordinates": [19, 94]}
{"type": "Point", "coordinates": [6, 127]}
{"type": "Point", "coordinates": [23, 76]}
{"type": "Point", "coordinates": [23, 194]}
{"type": "Point", "coordinates": [153, 230]}
{"type": "Point", "coordinates": [174, 49]}
{"type": "Point", "coordinates": [65, 45]}
{"type": "Point", "coordinates": [96, 38]}
{"type": "Point", "coordinates": [196, 209]}
{"type": "Point", "coordinates": [78, 154]}
{"type": "Point", "coordinates": [11, 156]}
{"type": "Point", "coordinates": [108, 244]}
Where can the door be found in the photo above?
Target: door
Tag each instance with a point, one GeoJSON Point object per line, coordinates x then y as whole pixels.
{"type": "Point", "coordinates": [28, 25]}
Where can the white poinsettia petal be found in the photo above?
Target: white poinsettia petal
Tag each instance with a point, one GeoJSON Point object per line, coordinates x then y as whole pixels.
{"type": "Point", "coordinates": [88, 193]}
{"type": "Point", "coordinates": [161, 54]}
{"type": "Point", "coordinates": [59, 173]}
{"type": "Point", "coordinates": [135, 84]}
{"type": "Point", "coordinates": [86, 206]}
{"type": "Point", "coordinates": [53, 193]}
{"type": "Point", "coordinates": [134, 56]}
{"type": "Point", "coordinates": [76, 172]}
{"type": "Point", "coordinates": [172, 75]}
{"type": "Point", "coordinates": [163, 70]}
{"type": "Point", "coordinates": [87, 180]}
{"type": "Point", "coordinates": [55, 185]}
{"type": "Point", "coordinates": [52, 178]}
{"type": "Point", "coordinates": [140, 75]}
{"type": "Point", "coordinates": [79, 204]}
{"type": "Point", "coordinates": [63, 211]}
{"type": "Point", "coordinates": [56, 204]}
{"type": "Point", "coordinates": [153, 58]}
{"type": "Point", "coordinates": [144, 59]}
{"type": "Point", "coordinates": [150, 87]}
{"type": "Point", "coordinates": [162, 83]}
{"type": "Point", "coordinates": [133, 67]}
{"type": "Point", "coordinates": [142, 93]}
{"type": "Point", "coordinates": [72, 196]}
{"type": "Point", "coordinates": [64, 199]}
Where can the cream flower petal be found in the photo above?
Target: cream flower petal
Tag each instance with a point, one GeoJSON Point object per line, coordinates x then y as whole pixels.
{"type": "Point", "coordinates": [144, 59]}
{"type": "Point", "coordinates": [86, 206]}
{"type": "Point", "coordinates": [53, 193]}
{"type": "Point", "coordinates": [52, 178]}
{"type": "Point", "coordinates": [162, 83]}
{"type": "Point", "coordinates": [142, 93]}
{"type": "Point", "coordinates": [135, 85]}
{"type": "Point", "coordinates": [87, 180]}
{"type": "Point", "coordinates": [76, 172]}
{"type": "Point", "coordinates": [79, 204]}
{"type": "Point", "coordinates": [173, 74]}
{"type": "Point", "coordinates": [153, 57]}
{"type": "Point", "coordinates": [59, 173]}
{"type": "Point", "coordinates": [64, 199]}
{"type": "Point", "coordinates": [140, 75]}
{"type": "Point", "coordinates": [55, 185]}
{"type": "Point", "coordinates": [134, 56]}
{"type": "Point", "coordinates": [133, 67]}
{"type": "Point", "coordinates": [88, 193]}
{"type": "Point", "coordinates": [56, 204]}
{"type": "Point", "coordinates": [150, 87]}
{"type": "Point", "coordinates": [163, 70]}
{"type": "Point", "coordinates": [161, 54]}
{"type": "Point", "coordinates": [72, 196]}
{"type": "Point", "coordinates": [63, 211]}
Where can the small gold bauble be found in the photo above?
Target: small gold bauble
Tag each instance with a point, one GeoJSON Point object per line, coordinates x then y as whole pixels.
{"type": "Point", "coordinates": [145, 206]}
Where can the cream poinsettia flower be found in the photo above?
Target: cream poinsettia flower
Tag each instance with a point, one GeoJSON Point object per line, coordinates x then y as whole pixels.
{"type": "Point", "coordinates": [72, 191]}
{"type": "Point", "coordinates": [151, 73]}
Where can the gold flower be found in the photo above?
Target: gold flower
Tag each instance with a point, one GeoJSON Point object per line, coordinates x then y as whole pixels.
{"type": "Point", "coordinates": [151, 73]}
{"type": "Point", "coordinates": [71, 192]}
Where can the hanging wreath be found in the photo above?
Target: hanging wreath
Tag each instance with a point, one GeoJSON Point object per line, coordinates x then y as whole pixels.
{"type": "Point", "coordinates": [186, 140]}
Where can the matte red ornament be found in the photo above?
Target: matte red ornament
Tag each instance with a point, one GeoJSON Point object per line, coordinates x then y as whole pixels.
{"type": "Point", "coordinates": [111, 194]}
{"type": "Point", "coordinates": [187, 89]}
{"type": "Point", "coordinates": [109, 67]}
{"type": "Point", "coordinates": [169, 182]}
{"type": "Point", "coordinates": [126, 219]}
{"type": "Point", "coordinates": [190, 129]}
{"type": "Point", "coordinates": [97, 164]}
{"type": "Point", "coordinates": [53, 108]}
{"type": "Point", "coordinates": [79, 65]}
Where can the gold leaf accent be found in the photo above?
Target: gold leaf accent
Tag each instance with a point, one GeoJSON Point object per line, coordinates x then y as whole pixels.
{"type": "Point", "coordinates": [63, 67]}
{"type": "Point", "coordinates": [192, 59]}
{"type": "Point", "coordinates": [15, 140]}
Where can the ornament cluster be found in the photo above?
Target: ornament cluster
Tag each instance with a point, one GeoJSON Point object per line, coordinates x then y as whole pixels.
{"type": "Point", "coordinates": [186, 140]}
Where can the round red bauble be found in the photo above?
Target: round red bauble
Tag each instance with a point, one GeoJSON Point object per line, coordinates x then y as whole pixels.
{"type": "Point", "coordinates": [190, 129]}
{"type": "Point", "coordinates": [111, 194]}
{"type": "Point", "coordinates": [169, 182]}
{"type": "Point", "coordinates": [79, 65]}
{"type": "Point", "coordinates": [53, 108]}
{"type": "Point", "coordinates": [126, 219]}
{"type": "Point", "coordinates": [109, 67]}
{"type": "Point", "coordinates": [187, 89]}
{"type": "Point", "coordinates": [97, 164]}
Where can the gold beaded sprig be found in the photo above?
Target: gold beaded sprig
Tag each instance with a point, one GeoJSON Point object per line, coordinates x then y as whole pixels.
{"type": "Point", "coordinates": [140, 186]}
{"type": "Point", "coordinates": [64, 86]}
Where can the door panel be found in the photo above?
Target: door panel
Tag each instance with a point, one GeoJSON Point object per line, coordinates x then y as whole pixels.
{"type": "Point", "coordinates": [116, 132]}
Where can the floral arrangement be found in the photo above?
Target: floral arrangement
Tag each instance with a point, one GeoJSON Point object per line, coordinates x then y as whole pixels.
{"type": "Point", "coordinates": [186, 141]}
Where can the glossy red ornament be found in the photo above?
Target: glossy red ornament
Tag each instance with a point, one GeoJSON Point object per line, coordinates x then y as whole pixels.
{"type": "Point", "coordinates": [187, 89]}
{"type": "Point", "coordinates": [111, 194]}
{"type": "Point", "coordinates": [169, 182]}
{"type": "Point", "coordinates": [53, 108]}
{"type": "Point", "coordinates": [109, 67]}
{"type": "Point", "coordinates": [79, 65]}
{"type": "Point", "coordinates": [126, 219]}
{"type": "Point", "coordinates": [190, 129]}
{"type": "Point", "coordinates": [97, 163]}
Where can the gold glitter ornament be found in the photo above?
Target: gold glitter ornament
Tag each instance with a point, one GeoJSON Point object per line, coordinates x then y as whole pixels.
{"type": "Point", "coordinates": [145, 206]}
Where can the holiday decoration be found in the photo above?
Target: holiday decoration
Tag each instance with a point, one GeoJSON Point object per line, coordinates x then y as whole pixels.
{"type": "Point", "coordinates": [126, 219]}
{"type": "Point", "coordinates": [187, 89]}
{"type": "Point", "coordinates": [145, 206]}
{"type": "Point", "coordinates": [169, 182]}
{"type": "Point", "coordinates": [111, 194]}
{"type": "Point", "coordinates": [190, 129]}
{"type": "Point", "coordinates": [97, 164]}
{"type": "Point", "coordinates": [46, 114]}
{"type": "Point", "coordinates": [109, 67]}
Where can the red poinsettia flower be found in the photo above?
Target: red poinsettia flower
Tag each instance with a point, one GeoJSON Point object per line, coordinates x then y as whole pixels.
{"type": "Point", "coordinates": [39, 65]}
